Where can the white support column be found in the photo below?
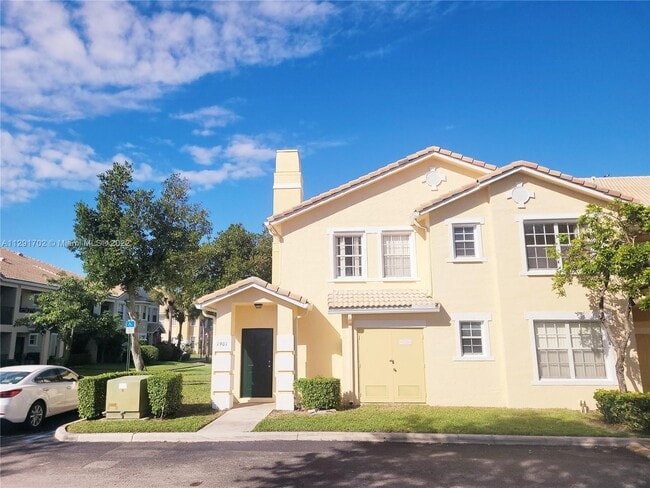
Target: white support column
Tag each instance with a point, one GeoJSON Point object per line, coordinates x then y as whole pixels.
{"type": "Point", "coordinates": [222, 363]}
{"type": "Point", "coordinates": [45, 347]}
{"type": "Point", "coordinates": [12, 344]}
{"type": "Point", "coordinates": [285, 362]}
{"type": "Point", "coordinates": [14, 334]}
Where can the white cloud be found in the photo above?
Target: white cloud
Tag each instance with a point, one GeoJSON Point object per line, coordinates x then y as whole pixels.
{"type": "Point", "coordinates": [203, 155]}
{"type": "Point", "coordinates": [31, 162]}
{"type": "Point", "coordinates": [245, 156]}
{"type": "Point", "coordinates": [71, 60]}
{"type": "Point", "coordinates": [208, 118]}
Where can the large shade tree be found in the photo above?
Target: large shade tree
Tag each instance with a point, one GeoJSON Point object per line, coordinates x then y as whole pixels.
{"type": "Point", "coordinates": [67, 309]}
{"type": "Point", "coordinates": [610, 257]}
{"type": "Point", "coordinates": [135, 239]}
{"type": "Point", "coordinates": [234, 254]}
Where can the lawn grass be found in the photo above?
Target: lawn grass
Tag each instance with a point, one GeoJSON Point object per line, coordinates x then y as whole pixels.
{"type": "Point", "coordinates": [447, 420]}
{"type": "Point", "coordinates": [195, 412]}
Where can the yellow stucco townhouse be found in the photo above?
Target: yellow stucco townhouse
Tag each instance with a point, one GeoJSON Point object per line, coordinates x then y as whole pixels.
{"type": "Point", "coordinates": [426, 281]}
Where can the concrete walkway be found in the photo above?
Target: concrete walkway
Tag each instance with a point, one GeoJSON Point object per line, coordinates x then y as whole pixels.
{"type": "Point", "coordinates": [242, 418]}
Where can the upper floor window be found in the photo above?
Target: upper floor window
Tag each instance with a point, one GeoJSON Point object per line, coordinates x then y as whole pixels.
{"type": "Point", "coordinates": [542, 237]}
{"type": "Point", "coordinates": [465, 239]}
{"type": "Point", "coordinates": [396, 255]}
{"type": "Point", "coordinates": [348, 256]}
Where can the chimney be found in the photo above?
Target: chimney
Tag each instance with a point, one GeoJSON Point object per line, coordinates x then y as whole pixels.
{"type": "Point", "coordinates": [287, 180]}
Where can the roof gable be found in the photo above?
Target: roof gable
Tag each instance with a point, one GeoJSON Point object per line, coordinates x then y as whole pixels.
{"type": "Point", "coordinates": [383, 172]}
{"type": "Point", "coordinates": [587, 186]}
{"type": "Point", "coordinates": [275, 292]}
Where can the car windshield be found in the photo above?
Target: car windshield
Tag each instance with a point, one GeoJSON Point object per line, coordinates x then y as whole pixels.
{"type": "Point", "coordinates": [12, 377]}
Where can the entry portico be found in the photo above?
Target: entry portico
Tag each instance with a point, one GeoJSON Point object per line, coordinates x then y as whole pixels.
{"type": "Point", "coordinates": [254, 343]}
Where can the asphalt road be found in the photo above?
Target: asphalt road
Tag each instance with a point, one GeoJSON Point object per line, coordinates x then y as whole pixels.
{"type": "Point", "coordinates": [45, 462]}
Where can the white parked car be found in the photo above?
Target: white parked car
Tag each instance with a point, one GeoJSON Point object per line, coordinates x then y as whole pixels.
{"type": "Point", "coordinates": [30, 393]}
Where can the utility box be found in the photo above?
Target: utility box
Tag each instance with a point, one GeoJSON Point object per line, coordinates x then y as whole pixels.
{"type": "Point", "coordinates": [127, 398]}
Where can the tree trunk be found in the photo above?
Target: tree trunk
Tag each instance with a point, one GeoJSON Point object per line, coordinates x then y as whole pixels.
{"type": "Point", "coordinates": [171, 311]}
{"type": "Point", "coordinates": [136, 352]}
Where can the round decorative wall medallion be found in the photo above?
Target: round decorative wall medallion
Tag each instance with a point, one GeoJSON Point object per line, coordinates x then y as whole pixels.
{"type": "Point", "coordinates": [521, 195]}
{"type": "Point", "coordinates": [433, 178]}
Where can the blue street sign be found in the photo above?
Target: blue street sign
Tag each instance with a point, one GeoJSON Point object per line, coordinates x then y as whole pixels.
{"type": "Point", "coordinates": [130, 326]}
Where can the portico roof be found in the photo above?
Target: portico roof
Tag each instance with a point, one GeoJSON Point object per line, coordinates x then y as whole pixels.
{"type": "Point", "coordinates": [274, 292]}
{"type": "Point", "coordinates": [381, 300]}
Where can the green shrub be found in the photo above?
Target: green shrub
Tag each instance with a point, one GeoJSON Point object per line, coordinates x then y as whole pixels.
{"type": "Point", "coordinates": [92, 393]}
{"type": "Point", "coordinates": [185, 357]}
{"type": "Point", "coordinates": [165, 392]}
{"type": "Point", "coordinates": [149, 354]}
{"type": "Point", "coordinates": [321, 393]}
{"type": "Point", "coordinates": [55, 361]}
{"type": "Point", "coordinates": [168, 352]}
{"type": "Point", "coordinates": [631, 409]}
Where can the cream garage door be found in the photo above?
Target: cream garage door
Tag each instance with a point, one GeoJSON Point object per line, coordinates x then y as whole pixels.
{"type": "Point", "coordinates": [391, 365]}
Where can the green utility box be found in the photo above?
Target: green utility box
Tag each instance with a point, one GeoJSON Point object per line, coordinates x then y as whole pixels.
{"type": "Point", "coordinates": [126, 397]}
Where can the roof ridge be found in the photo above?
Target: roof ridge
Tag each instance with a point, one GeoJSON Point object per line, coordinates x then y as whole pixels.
{"type": "Point", "coordinates": [380, 172]}
{"type": "Point", "coordinates": [515, 165]}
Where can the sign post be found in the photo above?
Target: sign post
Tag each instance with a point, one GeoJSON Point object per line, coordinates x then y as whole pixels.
{"type": "Point", "coordinates": [130, 330]}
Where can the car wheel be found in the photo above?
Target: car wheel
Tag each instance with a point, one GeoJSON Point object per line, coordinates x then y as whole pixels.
{"type": "Point", "coordinates": [35, 415]}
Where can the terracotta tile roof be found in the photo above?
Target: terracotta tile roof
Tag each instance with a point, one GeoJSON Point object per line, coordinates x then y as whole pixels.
{"type": "Point", "coordinates": [588, 183]}
{"type": "Point", "coordinates": [636, 186]}
{"type": "Point", "coordinates": [382, 300]}
{"type": "Point", "coordinates": [17, 266]}
{"type": "Point", "coordinates": [252, 282]}
{"type": "Point", "coordinates": [411, 158]}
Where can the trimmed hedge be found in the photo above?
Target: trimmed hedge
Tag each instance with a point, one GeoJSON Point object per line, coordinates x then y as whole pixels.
{"type": "Point", "coordinates": [165, 392]}
{"type": "Point", "coordinates": [149, 354]}
{"type": "Point", "coordinates": [168, 352]}
{"type": "Point", "coordinates": [320, 393]}
{"type": "Point", "coordinates": [630, 409]}
{"type": "Point", "coordinates": [92, 393]}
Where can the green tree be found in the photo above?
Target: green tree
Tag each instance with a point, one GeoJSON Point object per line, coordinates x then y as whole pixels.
{"type": "Point", "coordinates": [68, 309]}
{"type": "Point", "coordinates": [233, 255]}
{"type": "Point", "coordinates": [136, 240]}
{"type": "Point", "coordinates": [610, 257]}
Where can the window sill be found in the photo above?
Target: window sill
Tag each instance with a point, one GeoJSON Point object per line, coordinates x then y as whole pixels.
{"type": "Point", "coordinates": [540, 272]}
{"type": "Point", "coordinates": [473, 358]}
{"type": "Point", "coordinates": [467, 260]}
{"type": "Point", "coordinates": [575, 382]}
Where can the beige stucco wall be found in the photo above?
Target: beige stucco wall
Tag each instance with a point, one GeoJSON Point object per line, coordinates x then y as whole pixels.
{"type": "Point", "coordinates": [497, 286]}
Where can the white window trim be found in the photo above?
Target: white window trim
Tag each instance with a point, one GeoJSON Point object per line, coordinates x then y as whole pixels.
{"type": "Point", "coordinates": [522, 219]}
{"type": "Point", "coordinates": [477, 222]}
{"type": "Point", "coordinates": [35, 337]}
{"type": "Point", "coordinates": [589, 316]}
{"type": "Point", "coordinates": [380, 253]}
{"type": "Point", "coordinates": [484, 318]}
{"type": "Point", "coordinates": [341, 232]}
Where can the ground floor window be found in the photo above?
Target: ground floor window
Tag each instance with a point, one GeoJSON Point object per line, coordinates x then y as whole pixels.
{"type": "Point", "coordinates": [569, 350]}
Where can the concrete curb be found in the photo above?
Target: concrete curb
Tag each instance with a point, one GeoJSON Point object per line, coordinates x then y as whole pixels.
{"type": "Point", "coordinates": [634, 444]}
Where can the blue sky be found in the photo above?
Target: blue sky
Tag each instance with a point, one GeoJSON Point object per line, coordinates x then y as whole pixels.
{"type": "Point", "coordinates": [212, 89]}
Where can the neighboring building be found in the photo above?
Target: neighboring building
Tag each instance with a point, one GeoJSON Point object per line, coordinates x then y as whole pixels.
{"type": "Point", "coordinates": [151, 328]}
{"type": "Point", "coordinates": [196, 333]}
{"type": "Point", "coordinates": [425, 281]}
{"type": "Point", "coordinates": [22, 278]}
